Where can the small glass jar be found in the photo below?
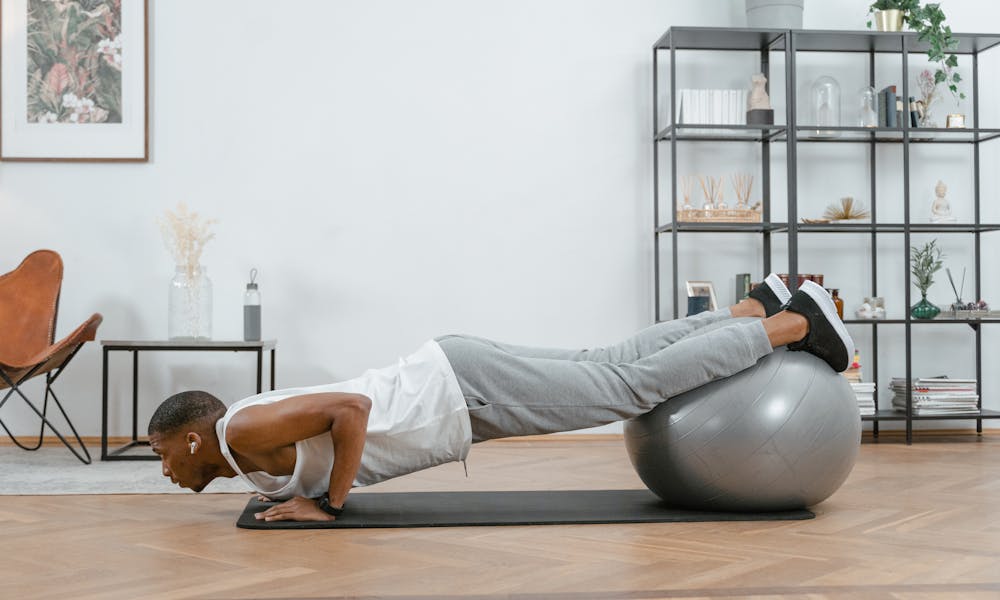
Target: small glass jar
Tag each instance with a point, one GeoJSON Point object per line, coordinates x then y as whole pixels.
{"type": "Point", "coordinates": [189, 304]}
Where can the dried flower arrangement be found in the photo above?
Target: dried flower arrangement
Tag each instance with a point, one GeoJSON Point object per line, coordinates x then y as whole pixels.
{"type": "Point", "coordinates": [928, 96]}
{"type": "Point", "coordinates": [185, 234]}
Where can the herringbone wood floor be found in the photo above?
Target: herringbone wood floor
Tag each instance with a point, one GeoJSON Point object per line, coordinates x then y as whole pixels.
{"type": "Point", "coordinates": [920, 521]}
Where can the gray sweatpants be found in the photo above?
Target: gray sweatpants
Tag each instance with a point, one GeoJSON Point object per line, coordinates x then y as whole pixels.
{"type": "Point", "coordinates": [517, 390]}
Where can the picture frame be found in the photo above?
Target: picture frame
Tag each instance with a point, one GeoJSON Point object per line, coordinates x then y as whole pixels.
{"type": "Point", "coordinates": [702, 288]}
{"type": "Point", "coordinates": [74, 81]}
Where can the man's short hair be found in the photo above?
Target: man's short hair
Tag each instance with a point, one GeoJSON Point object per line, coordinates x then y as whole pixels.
{"type": "Point", "coordinates": [184, 409]}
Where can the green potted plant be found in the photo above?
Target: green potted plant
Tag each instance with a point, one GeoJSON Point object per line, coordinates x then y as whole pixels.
{"type": "Point", "coordinates": [924, 263]}
{"type": "Point", "coordinates": [927, 20]}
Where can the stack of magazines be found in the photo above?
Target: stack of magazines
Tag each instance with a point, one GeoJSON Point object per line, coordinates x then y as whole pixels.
{"type": "Point", "coordinates": [865, 393]}
{"type": "Point", "coordinates": [937, 396]}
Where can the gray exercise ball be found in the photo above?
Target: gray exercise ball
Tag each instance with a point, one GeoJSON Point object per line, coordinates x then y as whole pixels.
{"type": "Point", "coordinates": [781, 435]}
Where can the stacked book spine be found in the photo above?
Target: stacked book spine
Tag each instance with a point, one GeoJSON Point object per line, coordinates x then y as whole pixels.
{"type": "Point", "coordinates": [865, 394]}
{"type": "Point", "coordinates": [937, 396]}
{"type": "Point", "coordinates": [887, 108]}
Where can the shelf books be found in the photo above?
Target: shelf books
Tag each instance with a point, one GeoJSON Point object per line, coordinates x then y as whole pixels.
{"type": "Point", "coordinates": [892, 111]}
{"type": "Point", "coordinates": [887, 113]}
{"type": "Point", "coordinates": [712, 107]}
{"type": "Point", "coordinates": [865, 394]}
{"type": "Point", "coordinates": [937, 396]}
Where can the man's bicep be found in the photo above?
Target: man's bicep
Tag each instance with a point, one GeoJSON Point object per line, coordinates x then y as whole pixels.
{"type": "Point", "coordinates": [281, 423]}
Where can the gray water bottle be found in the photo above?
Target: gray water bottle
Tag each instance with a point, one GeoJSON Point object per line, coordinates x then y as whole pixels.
{"type": "Point", "coordinates": [251, 310]}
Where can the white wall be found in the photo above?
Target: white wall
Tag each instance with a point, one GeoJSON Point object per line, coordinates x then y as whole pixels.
{"type": "Point", "coordinates": [396, 170]}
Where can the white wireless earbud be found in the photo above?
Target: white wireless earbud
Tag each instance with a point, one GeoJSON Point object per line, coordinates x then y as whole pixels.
{"type": "Point", "coordinates": [193, 444]}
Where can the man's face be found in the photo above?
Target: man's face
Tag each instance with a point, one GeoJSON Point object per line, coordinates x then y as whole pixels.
{"type": "Point", "coordinates": [183, 468]}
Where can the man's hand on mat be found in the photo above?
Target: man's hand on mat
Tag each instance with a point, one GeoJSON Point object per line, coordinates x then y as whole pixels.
{"type": "Point", "coordinates": [296, 509]}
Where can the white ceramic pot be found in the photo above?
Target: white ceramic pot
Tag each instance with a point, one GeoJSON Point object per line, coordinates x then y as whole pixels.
{"type": "Point", "coordinates": [774, 14]}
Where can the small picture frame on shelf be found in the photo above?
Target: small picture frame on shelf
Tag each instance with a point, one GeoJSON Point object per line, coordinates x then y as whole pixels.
{"type": "Point", "coordinates": [702, 289]}
{"type": "Point", "coordinates": [955, 121]}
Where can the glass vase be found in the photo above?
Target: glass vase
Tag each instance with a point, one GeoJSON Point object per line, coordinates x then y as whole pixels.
{"type": "Point", "coordinates": [189, 305]}
{"type": "Point", "coordinates": [867, 107]}
{"type": "Point", "coordinates": [924, 309]}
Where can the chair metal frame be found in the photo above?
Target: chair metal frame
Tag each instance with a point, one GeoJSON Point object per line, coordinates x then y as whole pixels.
{"type": "Point", "coordinates": [50, 377]}
{"type": "Point", "coordinates": [67, 347]}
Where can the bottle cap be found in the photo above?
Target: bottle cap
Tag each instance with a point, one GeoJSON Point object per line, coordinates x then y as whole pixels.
{"type": "Point", "coordinates": [253, 275]}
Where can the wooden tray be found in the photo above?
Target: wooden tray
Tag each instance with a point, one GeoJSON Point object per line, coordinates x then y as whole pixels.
{"type": "Point", "coordinates": [719, 215]}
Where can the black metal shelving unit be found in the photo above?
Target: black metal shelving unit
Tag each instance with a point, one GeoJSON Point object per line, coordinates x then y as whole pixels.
{"type": "Point", "coordinates": [788, 43]}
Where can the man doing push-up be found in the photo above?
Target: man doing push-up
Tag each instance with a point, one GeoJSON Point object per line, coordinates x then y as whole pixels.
{"type": "Point", "coordinates": [309, 446]}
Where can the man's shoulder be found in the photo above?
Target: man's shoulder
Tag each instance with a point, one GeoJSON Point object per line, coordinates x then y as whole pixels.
{"type": "Point", "coordinates": [236, 423]}
{"type": "Point", "coordinates": [242, 420]}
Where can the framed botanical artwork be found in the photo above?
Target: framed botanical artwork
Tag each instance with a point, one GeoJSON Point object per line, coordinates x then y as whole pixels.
{"type": "Point", "coordinates": [74, 83]}
{"type": "Point", "coordinates": [697, 289]}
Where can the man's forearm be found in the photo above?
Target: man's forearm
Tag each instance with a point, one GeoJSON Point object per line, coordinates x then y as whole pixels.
{"type": "Point", "coordinates": [348, 432]}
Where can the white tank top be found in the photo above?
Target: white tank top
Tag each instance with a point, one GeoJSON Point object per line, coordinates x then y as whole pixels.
{"type": "Point", "coordinates": [418, 419]}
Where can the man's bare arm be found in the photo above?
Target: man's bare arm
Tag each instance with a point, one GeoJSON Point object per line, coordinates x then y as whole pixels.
{"type": "Point", "coordinates": [265, 428]}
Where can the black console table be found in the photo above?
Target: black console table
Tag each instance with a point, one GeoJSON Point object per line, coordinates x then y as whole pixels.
{"type": "Point", "coordinates": [135, 347]}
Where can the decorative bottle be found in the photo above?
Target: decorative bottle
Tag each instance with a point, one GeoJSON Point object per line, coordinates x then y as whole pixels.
{"type": "Point", "coordinates": [839, 303]}
{"type": "Point", "coordinates": [867, 107]}
{"type": "Point", "coordinates": [251, 310]}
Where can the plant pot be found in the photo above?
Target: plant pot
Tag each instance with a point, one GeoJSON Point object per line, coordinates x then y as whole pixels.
{"type": "Point", "coordinates": [774, 14]}
{"type": "Point", "coordinates": [889, 20]}
{"type": "Point", "coordinates": [924, 309]}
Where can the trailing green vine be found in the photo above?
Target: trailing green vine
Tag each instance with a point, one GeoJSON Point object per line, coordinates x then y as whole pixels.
{"type": "Point", "coordinates": [928, 21]}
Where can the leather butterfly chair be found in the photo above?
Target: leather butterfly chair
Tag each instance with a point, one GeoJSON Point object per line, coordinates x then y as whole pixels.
{"type": "Point", "coordinates": [29, 302]}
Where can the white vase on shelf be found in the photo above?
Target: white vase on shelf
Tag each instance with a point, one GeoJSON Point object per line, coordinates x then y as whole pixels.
{"type": "Point", "coordinates": [774, 14]}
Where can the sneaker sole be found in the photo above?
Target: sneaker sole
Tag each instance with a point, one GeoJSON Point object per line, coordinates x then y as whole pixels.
{"type": "Point", "coordinates": [778, 287]}
{"type": "Point", "coordinates": [823, 301]}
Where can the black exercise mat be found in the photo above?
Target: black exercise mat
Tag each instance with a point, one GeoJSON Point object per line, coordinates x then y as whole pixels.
{"type": "Point", "coordinates": [462, 509]}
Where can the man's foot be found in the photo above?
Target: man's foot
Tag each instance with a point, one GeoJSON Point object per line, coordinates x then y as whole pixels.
{"type": "Point", "coordinates": [827, 337]}
{"type": "Point", "coordinates": [772, 294]}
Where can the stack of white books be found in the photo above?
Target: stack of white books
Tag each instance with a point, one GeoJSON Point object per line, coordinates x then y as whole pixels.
{"type": "Point", "coordinates": [712, 107]}
{"type": "Point", "coordinates": [937, 396]}
{"type": "Point", "coordinates": [865, 393]}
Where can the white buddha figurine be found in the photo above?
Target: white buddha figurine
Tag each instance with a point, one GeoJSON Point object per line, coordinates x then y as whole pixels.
{"type": "Point", "coordinates": [941, 209]}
